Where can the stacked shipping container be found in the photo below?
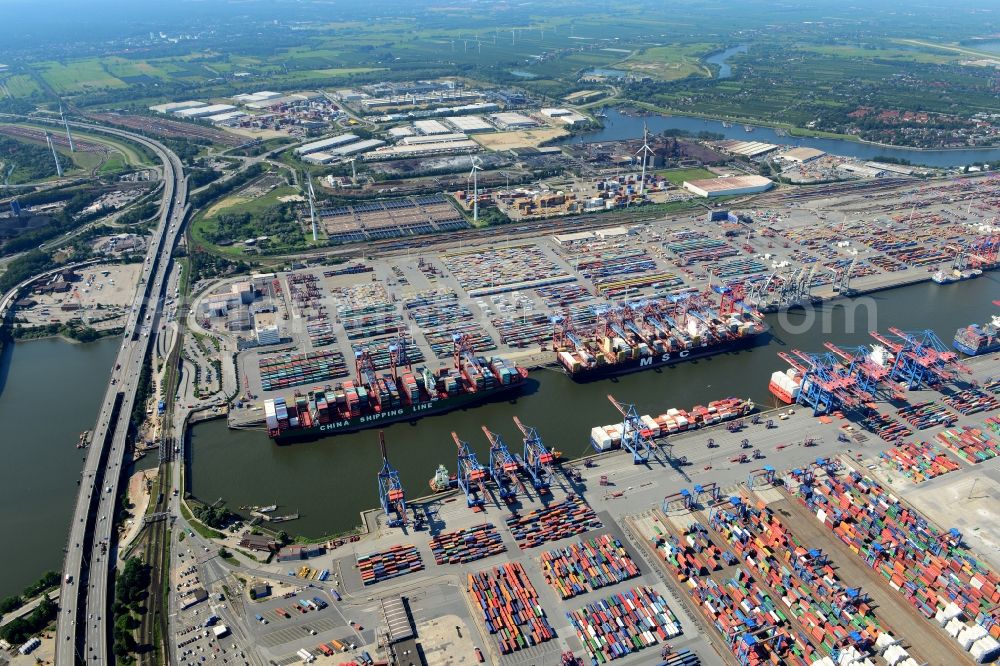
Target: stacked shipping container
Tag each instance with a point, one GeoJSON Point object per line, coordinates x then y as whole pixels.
{"type": "Point", "coordinates": [587, 565]}
{"type": "Point", "coordinates": [510, 607]}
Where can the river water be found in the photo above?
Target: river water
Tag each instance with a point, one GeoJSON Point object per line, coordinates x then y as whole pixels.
{"type": "Point", "coordinates": [329, 481]}
{"type": "Point", "coordinates": [721, 59]}
{"type": "Point", "coordinates": [618, 127]}
{"type": "Point", "coordinates": [50, 391]}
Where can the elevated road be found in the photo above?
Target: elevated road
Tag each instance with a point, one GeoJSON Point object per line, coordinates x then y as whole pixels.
{"type": "Point", "coordinates": [84, 626]}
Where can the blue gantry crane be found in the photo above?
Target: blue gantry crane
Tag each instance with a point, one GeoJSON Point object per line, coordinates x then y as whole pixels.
{"type": "Point", "coordinates": [761, 477]}
{"type": "Point", "coordinates": [866, 366]}
{"type": "Point", "coordinates": [471, 475]}
{"type": "Point", "coordinates": [537, 458]}
{"type": "Point", "coordinates": [503, 466]}
{"type": "Point", "coordinates": [921, 358]}
{"type": "Point", "coordinates": [390, 489]}
{"type": "Point", "coordinates": [635, 434]}
{"type": "Point", "coordinates": [826, 385]}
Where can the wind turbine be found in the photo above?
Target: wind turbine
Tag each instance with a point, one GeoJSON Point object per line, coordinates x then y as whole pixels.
{"type": "Point", "coordinates": [69, 137]}
{"type": "Point", "coordinates": [312, 208]}
{"type": "Point", "coordinates": [475, 189]}
{"type": "Point", "coordinates": [644, 154]}
{"type": "Point", "coordinates": [55, 156]}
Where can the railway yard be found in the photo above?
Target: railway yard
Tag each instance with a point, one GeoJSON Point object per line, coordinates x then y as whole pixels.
{"type": "Point", "coordinates": [784, 554]}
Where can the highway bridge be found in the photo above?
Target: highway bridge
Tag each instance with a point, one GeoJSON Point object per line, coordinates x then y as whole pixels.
{"type": "Point", "coordinates": [83, 631]}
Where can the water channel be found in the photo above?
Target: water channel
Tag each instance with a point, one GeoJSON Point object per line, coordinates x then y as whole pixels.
{"type": "Point", "coordinates": [50, 391]}
{"type": "Point", "coordinates": [721, 59]}
{"type": "Point", "coordinates": [329, 481]}
{"type": "Point", "coordinates": [618, 126]}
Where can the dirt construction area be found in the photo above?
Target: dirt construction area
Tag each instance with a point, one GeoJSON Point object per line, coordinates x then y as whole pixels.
{"type": "Point", "coordinates": [532, 138]}
{"type": "Point", "coordinates": [99, 296]}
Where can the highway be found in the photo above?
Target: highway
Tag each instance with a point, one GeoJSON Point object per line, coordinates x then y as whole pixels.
{"type": "Point", "coordinates": [84, 626]}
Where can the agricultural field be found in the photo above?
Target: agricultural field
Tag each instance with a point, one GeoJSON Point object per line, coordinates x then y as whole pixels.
{"type": "Point", "coordinates": [19, 86]}
{"type": "Point", "coordinates": [669, 63]}
{"type": "Point", "coordinates": [79, 76]}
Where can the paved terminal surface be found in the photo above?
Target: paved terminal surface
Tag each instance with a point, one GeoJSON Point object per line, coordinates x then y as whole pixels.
{"type": "Point", "coordinates": [446, 619]}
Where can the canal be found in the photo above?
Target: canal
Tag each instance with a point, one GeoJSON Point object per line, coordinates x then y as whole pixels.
{"type": "Point", "coordinates": [329, 481]}
{"type": "Point", "coordinates": [722, 60]}
{"type": "Point", "coordinates": [618, 126]}
{"type": "Point", "coordinates": [50, 391]}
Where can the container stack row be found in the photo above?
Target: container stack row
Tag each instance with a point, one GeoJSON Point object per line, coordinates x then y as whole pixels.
{"type": "Point", "coordinates": [523, 330]}
{"type": "Point", "coordinates": [972, 401]}
{"type": "Point", "coordinates": [500, 270]}
{"type": "Point", "coordinates": [287, 370]}
{"type": "Point", "coordinates": [587, 565]}
{"type": "Point", "coordinates": [919, 461]}
{"type": "Point", "coordinates": [510, 607]}
{"type": "Point", "coordinates": [624, 623]}
{"type": "Point", "coordinates": [554, 522]}
{"type": "Point", "coordinates": [971, 444]}
{"type": "Point", "coordinates": [833, 614]}
{"type": "Point", "coordinates": [930, 568]}
{"type": "Point", "coordinates": [928, 414]}
{"type": "Point", "coordinates": [562, 296]}
{"type": "Point", "coordinates": [754, 628]}
{"type": "Point", "coordinates": [435, 308]}
{"type": "Point", "coordinates": [320, 332]}
{"type": "Point", "coordinates": [693, 554]}
{"type": "Point", "coordinates": [885, 427]}
{"type": "Point", "coordinates": [442, 342]}
{"type": "Point", "coordinates": [692, 246]}
{"type": "Point", "coordinates": [379, 351]}
{"type": "Point", "coordinates": [397, 561]}
{"type": "Point", "coordinates": [467, 545]}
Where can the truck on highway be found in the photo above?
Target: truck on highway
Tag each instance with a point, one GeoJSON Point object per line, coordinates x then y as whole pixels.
{"type": "Point", "coordinates": [69, 578]}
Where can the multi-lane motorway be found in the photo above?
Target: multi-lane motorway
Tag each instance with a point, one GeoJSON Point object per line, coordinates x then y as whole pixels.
{"type": "Point", "coordinates": [84, 628]}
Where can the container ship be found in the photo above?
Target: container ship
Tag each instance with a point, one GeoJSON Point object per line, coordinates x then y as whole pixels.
{"type": "Point", "coordinates": [657, 332]}
{"type": "Point", "coordinates": [603, 438]}
{"type": "Point", "coordinates": [975, 340]}
{"type": "Point", "coordinates": [941, 277]}
{"type": "Point", "coordinates": [403, 394]}
{"type": "Point", "coordinates": [786, 385]}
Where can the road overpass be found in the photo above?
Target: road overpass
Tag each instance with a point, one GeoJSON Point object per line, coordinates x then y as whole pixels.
{"type": "Point", "coordinates": [83, 630]}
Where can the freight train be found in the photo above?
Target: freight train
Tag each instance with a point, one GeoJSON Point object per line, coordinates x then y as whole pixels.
{"type": "Point", "coordinates": [656, 332]}
{"type": "Point", "coordinates": [403, 394]}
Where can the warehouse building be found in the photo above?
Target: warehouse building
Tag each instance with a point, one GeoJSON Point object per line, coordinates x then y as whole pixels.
{"type": "Point", "coordinates": [749, 149]}
{"type": "Point", "coordinates": [469, 123]}
{"type": "Point", "coordinates": [171, 107]}
{"type": "Point", "coordinates": [510, 120]}
{"type": "Point", "coordinates": [401, 151]}
{"type": "Point", "coordinates": [355, 148]}
{"type": "Point", "coordinates": [728, 186]}
{"type": "Point", "coordinates": [324, 144]}
{"type": "Point", "coordinates": [256, 97]}
{"type": "Point", "coordinates": [801, 155]}
{"type": "Point", "coordinates": [430, 127]}
{"type": "Point", "coordinates": [437, 138]}
{"type": "Point", "coordinates": [202, 111]}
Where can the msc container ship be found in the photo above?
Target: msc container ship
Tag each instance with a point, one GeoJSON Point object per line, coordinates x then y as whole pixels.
{"type": "Point", "coordinates": [976, 340]}
{"type": "Point", "coordinates": [403, 394]}
{"type": "Point", "coordinates": [657, 332]}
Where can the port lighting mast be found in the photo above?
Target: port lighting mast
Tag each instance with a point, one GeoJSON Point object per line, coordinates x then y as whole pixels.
{"type": "Point", "coordinates": [471, 474]}
{"type": "Point", "coordinates": [390, 490]}
{"type": "Point", "coordinates": [635, 435]}
{"type": "Point", "coordinates": [503, 466]}
{"type": "Point", "coordinates": [536, 456]}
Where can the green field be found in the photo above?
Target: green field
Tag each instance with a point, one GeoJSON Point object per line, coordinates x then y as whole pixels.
{"type": "Point", "coordinates": [233, 204]}
{"type": "Point", "coordinates": [79, 76]}
{"type": "Point", "coordinates": [669, 63]}
{"type": "Point", "coordinates": [20, 86]}
{"type": "Point", "coordinates": [678, 176]}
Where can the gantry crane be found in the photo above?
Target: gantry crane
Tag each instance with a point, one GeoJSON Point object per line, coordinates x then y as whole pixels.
{"type": "Point", "coordinates": [471, 475]}
{"type": "Point", "coordinates": [825, 385]}
{"type": "Point", "coordinates": [365, 367]}
{"type": "Point", "coordinates": [390, 490]}
{"type": "Point", "coordinates": [503, 466]}
{"type": "Point", "coordinates": [867, 372]}
{"type": "Point", "coordinates": [635, 435]}
{"type": "Point", "coordinates": [398, 358]}
{"type": "Point", "coordinates": [761, 477]}
{"type": "Point", "coordinates": [537, 458]}
{"type": "Point", "coordinates": [711, 489]}
{"type": "Point", "coordinates": [920, 358]}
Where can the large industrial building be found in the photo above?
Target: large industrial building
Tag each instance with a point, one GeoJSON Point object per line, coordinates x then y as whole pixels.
{"type": "Point", "coordinates": [749, 149]}
{"type": "Point", "coordinates": [203, 111]}
{"type": "Point", "coordinates": [323, 144]}
{"type": "Point", "coordinates": [511, 120]}
{"type": "Point", "coordinates": [728, 186]}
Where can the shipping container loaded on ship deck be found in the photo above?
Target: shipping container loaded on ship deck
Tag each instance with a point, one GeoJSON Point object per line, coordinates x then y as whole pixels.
{"type": "Point", "coordinates": [657, 332]}
{"type": "Point", "coordinates": [403, 394]}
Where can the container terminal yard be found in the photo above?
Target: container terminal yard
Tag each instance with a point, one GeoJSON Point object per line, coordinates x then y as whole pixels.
{"type": "Point", "coordinates": [825, 539]}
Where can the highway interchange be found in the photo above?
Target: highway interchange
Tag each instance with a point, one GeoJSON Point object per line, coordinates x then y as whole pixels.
{"type": "Point", "coordinates": [84, 628]}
